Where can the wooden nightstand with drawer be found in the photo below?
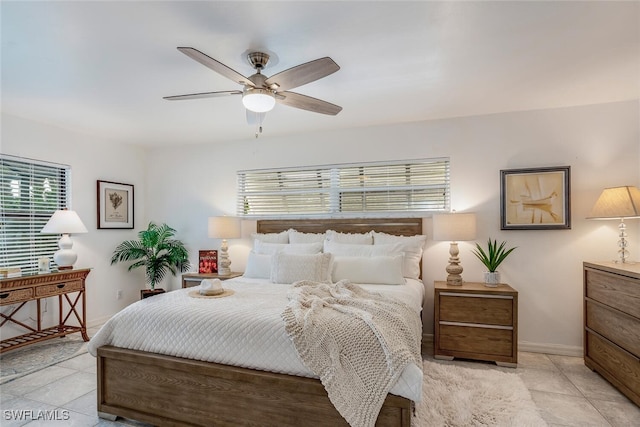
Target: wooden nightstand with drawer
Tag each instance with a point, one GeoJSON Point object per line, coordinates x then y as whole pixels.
{"type": "Point", "coordinates": [474, 321]}
{"type": "Point", "coordinates": [194, 279]}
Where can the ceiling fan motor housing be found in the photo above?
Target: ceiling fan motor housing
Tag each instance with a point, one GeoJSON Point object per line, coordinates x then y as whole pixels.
{"type": "Point", "coordinates": [258, 60]}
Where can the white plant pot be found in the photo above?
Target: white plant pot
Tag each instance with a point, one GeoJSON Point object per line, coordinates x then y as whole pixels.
{"type": "Point", "coordinates": [491, 279]}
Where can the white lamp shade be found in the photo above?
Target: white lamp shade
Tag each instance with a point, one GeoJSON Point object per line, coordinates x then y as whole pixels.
{"type": "Point", "coordinates": [617, 203]}
{"type": "Point", "coordinates": [454, 227]}
{"type": "Point", "coordinates": [64, 222]}
{"type": "Point", "coordinates": [224, 227]}
{"type": "Point", "coordinates": [258, 100]}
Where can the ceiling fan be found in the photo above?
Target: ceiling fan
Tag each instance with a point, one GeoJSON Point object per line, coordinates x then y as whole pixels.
{"type": "Point", "coordinates": [260, 93]}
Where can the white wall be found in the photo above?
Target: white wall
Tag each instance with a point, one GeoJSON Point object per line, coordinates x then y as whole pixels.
{"type": "Point", "coordinates": [185, 185]}
{"type": "Point", "coordinates": [91, 159]}
{"type": "Point", "coordinates": [601, 143]}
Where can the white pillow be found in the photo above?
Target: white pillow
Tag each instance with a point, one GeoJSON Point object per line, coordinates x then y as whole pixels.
{"type": "Point", "coordinates": [411, 246]}
{"type": "Point", "coordinates": [386, 270]}
{"type": "Point", "coordinates": [300, 237]}
{"type": "Point", "coordinates": [291, 248]}
{"type": "Point", "coordinates": [350, 249]}
{"type": "Point", "coordinates": [412, 254]}
{"type": "Point", "coordinates": [258, 266]}
{"type": "Point", "coordinates": [289, 268]}
{"type": "Point", "coordinates": [356, 238]}
{"type": "Point", "coordinates": [384, 238]}
{"type": "Point", "coordinates": [282, 237]}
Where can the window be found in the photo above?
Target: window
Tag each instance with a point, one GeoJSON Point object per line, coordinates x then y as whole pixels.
{"type": "Point", "coordinates": [30, 192]}
{"type": "Point", "coordinates": [400, 188]}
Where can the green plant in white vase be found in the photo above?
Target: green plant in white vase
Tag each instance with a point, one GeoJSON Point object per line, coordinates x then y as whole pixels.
{"type": "Point", "coordinates": [492, 257]}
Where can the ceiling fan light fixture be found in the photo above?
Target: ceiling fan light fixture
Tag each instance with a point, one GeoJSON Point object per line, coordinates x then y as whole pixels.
{"type": "Point", "coordinates": [258, 100]}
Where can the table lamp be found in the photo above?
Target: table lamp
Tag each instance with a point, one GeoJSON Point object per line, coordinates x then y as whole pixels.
{"type": "Point", "coordinates": [454, 227]}
{"type": "Point", "coordinates": [64, 222]}
{"type": "Point", "coordinates": [618, 203]}
{"type": "Point", "coordinates": [224, 227]}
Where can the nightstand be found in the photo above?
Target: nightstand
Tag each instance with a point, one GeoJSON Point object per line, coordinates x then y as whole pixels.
{"type": "Point", "coordinates": [474, 321]}
{"type": "Point", "coordinates": [194, 279]}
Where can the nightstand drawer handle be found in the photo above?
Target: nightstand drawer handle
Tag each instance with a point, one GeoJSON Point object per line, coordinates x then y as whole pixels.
{"type": "Point", "coordinates": [3, 296]}
{"type": "Point", "coordinates": [62, 285]}
{"type": "Point", "coordinates": [461, 294]}
{"type": "Point", "coordinates": [476, 325]}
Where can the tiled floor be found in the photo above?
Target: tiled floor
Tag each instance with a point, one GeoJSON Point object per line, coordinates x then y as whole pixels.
{"type": "Point", "coordinates": [566, 392]}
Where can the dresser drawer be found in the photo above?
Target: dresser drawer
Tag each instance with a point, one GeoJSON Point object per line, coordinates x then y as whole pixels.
{"type": "Point", "coordinates": [476, 308]}
{"type": "Point", "coordinates": [618, 327]}
{"type": "Point", "coordinates": [497, 342]}
{"type": "Point", "coordinates": [62, 288]}
{"type": "Point", "coordinates": [613, 290]}
{"type": "Point", "coordinates": [18, 295]}
{"type": "Point", "coordinates": [619, 366]}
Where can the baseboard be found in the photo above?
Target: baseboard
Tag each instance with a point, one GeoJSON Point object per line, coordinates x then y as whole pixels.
{"type": "Point", "coordinates": [97, 322]}
{"type": "Point", "coordinates": [559, 349]}
{"type": "Point", "coordinates": [532, 347]}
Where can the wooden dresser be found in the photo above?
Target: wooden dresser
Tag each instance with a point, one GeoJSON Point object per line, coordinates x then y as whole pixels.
{"type": "Point", "coordinates": [67, 286]}
{"type": "Point", "coordinates": [474, 321]}
{"type": "Point", "coordinates": [612, 324]}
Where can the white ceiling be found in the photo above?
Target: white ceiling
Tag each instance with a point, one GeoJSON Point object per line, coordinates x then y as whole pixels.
{"type": "Point", "coordinates": [102, 67]}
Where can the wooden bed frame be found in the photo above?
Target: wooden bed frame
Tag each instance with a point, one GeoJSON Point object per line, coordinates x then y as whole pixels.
{"type": "Point", "coordinates": [171, 391]}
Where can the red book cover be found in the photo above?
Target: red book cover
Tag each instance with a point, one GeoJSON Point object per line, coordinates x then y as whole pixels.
{"type": "Point", "coordinates": [208, 261]}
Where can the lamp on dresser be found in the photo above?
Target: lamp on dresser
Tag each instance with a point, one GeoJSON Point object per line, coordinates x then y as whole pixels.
{"type": "Point", "coordinates": [618, 203]}
{"type": "Point", "coordinates": [454, 227]}
{"type": "Point", "coordinates": [224, 227]}
{"type": "Point", "coordinates": [64, 222]}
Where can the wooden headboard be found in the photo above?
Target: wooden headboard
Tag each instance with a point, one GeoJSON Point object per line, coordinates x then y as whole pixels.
{"type": "Point", "coordinates": [395, 226]}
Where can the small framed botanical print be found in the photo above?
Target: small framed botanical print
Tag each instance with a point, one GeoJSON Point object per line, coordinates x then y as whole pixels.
{"type": "Point", "coordinates": [115, 205]}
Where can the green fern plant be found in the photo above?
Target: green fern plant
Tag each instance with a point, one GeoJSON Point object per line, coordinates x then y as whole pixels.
{"type": "Point", "coordinates": [494, 255]}
{"type": "Point", "coordinates": [157, 251]}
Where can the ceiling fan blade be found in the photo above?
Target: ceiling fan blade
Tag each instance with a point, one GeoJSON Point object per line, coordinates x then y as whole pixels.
{"type": "Point", "coordinates": [305, 102]}
{"type": "Point", "coordinates": [302, 74]}
{"type": "Point", "coordinates": [203, 95]}
{"type": "Point", "coordinates": [216, 66]}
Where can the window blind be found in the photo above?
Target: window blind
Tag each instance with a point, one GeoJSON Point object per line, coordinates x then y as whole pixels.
{"type": "Point", "coordinates": [367, 189]}
{"type": "Point", "coordinates": [30, 192]}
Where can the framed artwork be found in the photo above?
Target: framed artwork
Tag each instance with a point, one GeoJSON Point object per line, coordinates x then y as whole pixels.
{"type": "Point", "coordinates": [207, 261]}
{"type": "Point", "coordinates": [115, 205]}
{"type": "Point", "coordinates": [535, 199]}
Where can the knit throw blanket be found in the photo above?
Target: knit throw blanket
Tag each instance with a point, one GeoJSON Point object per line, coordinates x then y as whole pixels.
{"type": "Point", "coordinates": [357, 342]}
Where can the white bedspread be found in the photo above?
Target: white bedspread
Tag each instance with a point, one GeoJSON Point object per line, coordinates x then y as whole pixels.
{"type": "Point", "coordinates": [244, 329]}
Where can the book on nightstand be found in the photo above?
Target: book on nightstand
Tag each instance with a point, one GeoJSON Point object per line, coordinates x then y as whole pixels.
{"type": "Point", "coordinates": [208, 261]}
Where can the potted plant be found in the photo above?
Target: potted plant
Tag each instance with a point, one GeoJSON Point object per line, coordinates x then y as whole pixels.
{"type": "Point", "coordinates": [492, 258]}
{"type": "Point", "coordinates": [157, 251]}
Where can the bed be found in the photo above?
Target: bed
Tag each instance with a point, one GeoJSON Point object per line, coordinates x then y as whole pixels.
{"type": "Point", "coordinates": [164, 389]}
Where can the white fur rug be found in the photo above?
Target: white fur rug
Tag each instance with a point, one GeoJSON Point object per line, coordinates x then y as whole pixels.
{"type": "Point", "coordinates": [455, 396]}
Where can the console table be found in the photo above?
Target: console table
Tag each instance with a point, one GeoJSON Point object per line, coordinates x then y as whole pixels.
{"type": "Point", "coordinates": [67, 285]}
